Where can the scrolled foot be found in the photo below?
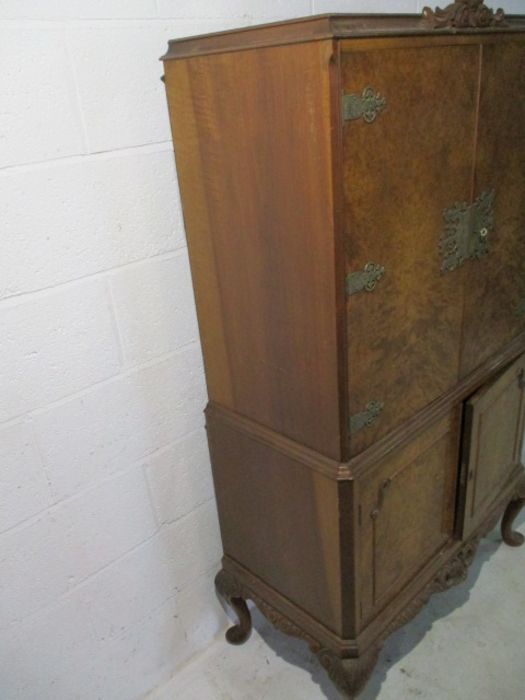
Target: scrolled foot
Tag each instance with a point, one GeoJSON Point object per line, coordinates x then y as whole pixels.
{"type": "Point", "coordinates": [238, 634]}
{"type": "Point", "coordinates": [510, 536]}
{"type": "Point", "coordinates": [349, 675]}
{"type": "Point", "coordinates": [230, 589]}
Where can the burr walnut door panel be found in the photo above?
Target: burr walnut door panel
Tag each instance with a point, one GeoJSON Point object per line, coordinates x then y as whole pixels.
{"type": "Point", "coordinates": [492, 443]}
{"type": "Point", "coordinates": [495, 284]}
{"type": "Point", "coordinates": [407, 512]}
{"type": "Point", "coordinates": [400, 172]}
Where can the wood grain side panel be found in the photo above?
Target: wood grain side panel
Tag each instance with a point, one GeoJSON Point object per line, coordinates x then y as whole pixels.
{"type": "Point", "coordinates": [253, 147]}
{"type": "Point", "coordinates": [279, 520]}
{"type": "Point", "coordinates": [495, 299]}
{"type": "Point", "coordinates": [400, 173]}
{"type": "Point", "coordinates": [198, 223]}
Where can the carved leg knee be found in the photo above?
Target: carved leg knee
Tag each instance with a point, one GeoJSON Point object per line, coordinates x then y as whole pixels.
{"type": "Point", "coordinates": [230, 589]}
{"type": "Point", "coordinates": [510, 537]}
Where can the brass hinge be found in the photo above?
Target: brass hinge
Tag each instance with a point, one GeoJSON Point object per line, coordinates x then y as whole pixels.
{"type": "Point", "coordinates": [467, 231]}
{"type": "Point", "coordinates": [366, 417]}
{"type": "Point", "coordinates": [364, 280]}
{"type": "Point", "coordinates": [366, 106]}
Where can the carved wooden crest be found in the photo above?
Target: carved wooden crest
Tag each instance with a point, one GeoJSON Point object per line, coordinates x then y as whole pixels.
{"type": "Point", "coordinates": [465, 14]}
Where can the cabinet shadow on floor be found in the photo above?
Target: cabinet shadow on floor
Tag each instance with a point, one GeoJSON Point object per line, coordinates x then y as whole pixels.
{"type": "Point", "coordinates": [400, 644]}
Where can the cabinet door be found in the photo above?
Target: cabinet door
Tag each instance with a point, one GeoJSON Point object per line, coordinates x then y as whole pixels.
{"type": "Point", "coordinates": [400, 172]}
{"type": "Point", "coordinates": [492, 442]}
{"type": "Point", "coordinates": [407, 508]}
{"type": "Point", "coordinates": [495, 285]}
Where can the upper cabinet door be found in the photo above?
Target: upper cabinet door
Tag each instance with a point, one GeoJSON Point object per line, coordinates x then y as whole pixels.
{"type": "Point", "coordinates": [409, 138]}
{"type": "Point", "coordinates": [495, 284]}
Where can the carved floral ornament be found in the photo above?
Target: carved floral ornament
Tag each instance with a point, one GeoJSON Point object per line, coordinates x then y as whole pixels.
{"type": "Point", "coordinates": [466, 14]}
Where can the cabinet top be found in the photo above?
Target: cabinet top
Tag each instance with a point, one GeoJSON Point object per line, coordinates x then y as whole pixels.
{"type": "Point", "coordinates": [463, 17]}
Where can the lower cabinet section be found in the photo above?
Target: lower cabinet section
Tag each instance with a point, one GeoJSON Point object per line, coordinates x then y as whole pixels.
{"type": "Point", "coordinates": [438, 489]}
{"type": "Point", "coordinates": [341, 554]}
{"type": "Point", "coordinates": [407, 505]}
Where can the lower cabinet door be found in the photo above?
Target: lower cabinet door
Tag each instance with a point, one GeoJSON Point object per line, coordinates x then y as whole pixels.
{"type": "Point", "coordinates": [407, 505]}
{"type": "Point", "coordinates": [492, 444]}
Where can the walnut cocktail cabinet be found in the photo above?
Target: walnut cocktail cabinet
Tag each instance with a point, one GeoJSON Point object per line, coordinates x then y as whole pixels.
{"type": "Point", "coordinates": [353, 190]}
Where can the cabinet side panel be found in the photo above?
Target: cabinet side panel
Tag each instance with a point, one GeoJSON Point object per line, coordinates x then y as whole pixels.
{"type": "Point", "coordinates": [253, 148]}
{"type": "Point", "coordinates": [279, 519]}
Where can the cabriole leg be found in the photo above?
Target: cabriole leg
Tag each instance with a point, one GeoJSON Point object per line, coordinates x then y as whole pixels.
{"type": "Point", "coordinates": [229, 589]}
{"type": "Point", "coordinates": [510, 537]}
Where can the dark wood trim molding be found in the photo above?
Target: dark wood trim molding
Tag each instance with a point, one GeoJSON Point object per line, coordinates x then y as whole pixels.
{"type": "Point", "coordinates": [344, 471]}
{"type": "Point", "coordinates": [304, 455]}
{"type": "Point", "coordinates": [329, 26]}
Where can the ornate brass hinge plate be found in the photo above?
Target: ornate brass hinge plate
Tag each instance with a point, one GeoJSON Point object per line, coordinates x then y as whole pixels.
{"type": "Point", "coordinates": [366, 418]}
{"type": "Point", "coordinates": [366, 106]}
{"type": "Point", "coordinates": [364, 280]}
{"type": "Point", "coordinates": [467, 231]}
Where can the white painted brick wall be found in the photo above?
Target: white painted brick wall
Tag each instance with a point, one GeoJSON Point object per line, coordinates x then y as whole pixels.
{"type": "Point", "coordinates": [108, 529]}
{"type": "Point", "coordinates": [24, 487]}
{"type": "Point", "coordinates": [145, 330]}
{"type": "Point", "coordinates": [47, 345]}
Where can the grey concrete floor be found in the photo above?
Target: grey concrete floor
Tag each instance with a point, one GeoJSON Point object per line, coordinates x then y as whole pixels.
{"type": "Point", "coordinates": [467, 644]}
